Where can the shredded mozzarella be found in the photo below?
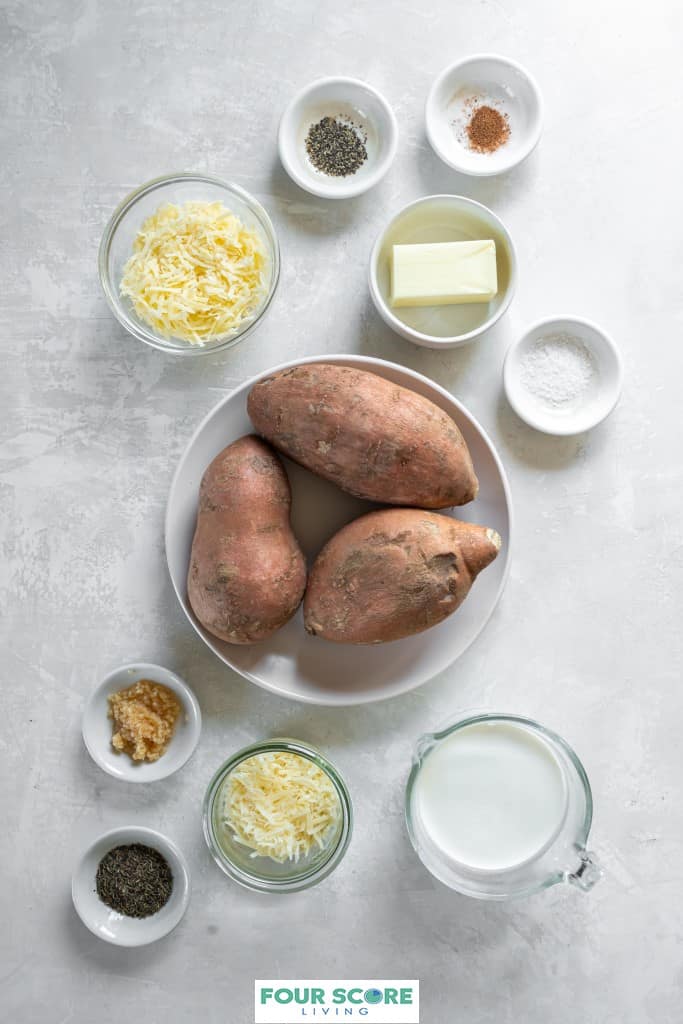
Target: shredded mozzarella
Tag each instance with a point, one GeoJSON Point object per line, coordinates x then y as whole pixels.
{"type": "Point", "coordinates": [280, 805]}
{"type": "Point", "coordinates": [196, 272]}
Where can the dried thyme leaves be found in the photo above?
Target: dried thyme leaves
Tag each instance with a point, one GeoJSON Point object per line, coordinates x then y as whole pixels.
{"type": "Point", "coordinates": [134, 880]}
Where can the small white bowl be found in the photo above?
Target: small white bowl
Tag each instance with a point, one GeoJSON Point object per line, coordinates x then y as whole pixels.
{"type": "Point", "coordinates": [106, 923]}
{"type": "Point", "coordinates": [584, 413]}
{"type": "Point", "coordinates": [97, 726]}
{"type": "Point", "coordinates": [488, 79]}
{"type": "Point", "coordinates": [352, 99]}
{"type": "Point", "coordinates": [442, 219]}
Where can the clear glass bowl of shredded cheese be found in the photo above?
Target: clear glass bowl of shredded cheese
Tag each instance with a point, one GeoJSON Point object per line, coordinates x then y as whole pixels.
{"type": "Point", "coordinates": [189, 263]}
{"type": "Point", "coordinates": [277, 816]}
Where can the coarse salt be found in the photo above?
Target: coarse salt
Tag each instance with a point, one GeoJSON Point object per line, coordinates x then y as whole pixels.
{"type": "Point", "coordinates": [558, 370]}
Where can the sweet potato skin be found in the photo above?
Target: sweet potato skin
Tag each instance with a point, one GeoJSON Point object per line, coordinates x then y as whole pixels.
{"type": "Point", "coordinates": [393, 573]}
{"type": "Point", "coordinates": [372, 438]}
{"type": "Point", "coordinates": [247, 572]}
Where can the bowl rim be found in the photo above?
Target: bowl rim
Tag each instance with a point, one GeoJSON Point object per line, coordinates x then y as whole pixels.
{"type": "Point", "coordinates": [541, 423]}
{"type": "Point", "coordinates": [301, 881]}
{"type": "Point", "coordinates": [523, 152]}
{"type": "Point", "coordinates": [191, 707]}
{"type": "Point", "coordinates": [148, 836]}
{"type": "Point", "coordinates": [111, 295]}
{"type": "Point", "coordinates": [339, 190]}
{"type": "Point", "coordinates": [431, 340]}
{"type": "Point", "coordinates": [365, 362]}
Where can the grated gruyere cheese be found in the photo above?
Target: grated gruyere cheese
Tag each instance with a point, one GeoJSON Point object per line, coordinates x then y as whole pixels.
{"type": "Point", "coordinates": [280, 805]}
{"type": "Point", "coordinates": [196, 272]}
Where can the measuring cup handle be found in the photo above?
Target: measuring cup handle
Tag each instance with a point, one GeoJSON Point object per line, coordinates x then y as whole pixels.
{"type": "Point", "coordinates": [588, 872]}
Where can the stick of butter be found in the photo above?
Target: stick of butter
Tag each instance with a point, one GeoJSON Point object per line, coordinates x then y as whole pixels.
{"type": "Point", "coordinates": [443, 273]}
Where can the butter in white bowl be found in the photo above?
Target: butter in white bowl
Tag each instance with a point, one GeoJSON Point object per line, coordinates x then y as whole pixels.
{"type": "Point", "coordinates": [433, 221]}
{"type": "Point", "coordinates": [443, 273]}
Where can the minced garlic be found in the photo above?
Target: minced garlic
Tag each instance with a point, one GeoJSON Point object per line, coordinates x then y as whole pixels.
{"type": "Point", "coordinates": [145, 716]}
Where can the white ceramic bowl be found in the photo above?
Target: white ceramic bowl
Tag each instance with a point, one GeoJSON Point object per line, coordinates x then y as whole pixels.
{"type": "Point", "coordinates": [106, 923]}
{"type": "Point", "coordinates": [97, 727]}
{"type": "Point", "coordinates": [583, 413]}
{"type": "Point", "coordinates": [291, 663]}
{"type": "Point", "coordinates": [442, 218]}
{"type": "Point", "coordinates": [352, 99]}
{"type": "Point", "coordinates": [488, 79]}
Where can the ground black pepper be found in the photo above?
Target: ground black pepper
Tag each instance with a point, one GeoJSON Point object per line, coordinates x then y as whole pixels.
{"type": "Point", "coordinates": [134, 880]}
{"type": "Point", "coordinates": [336, 147]}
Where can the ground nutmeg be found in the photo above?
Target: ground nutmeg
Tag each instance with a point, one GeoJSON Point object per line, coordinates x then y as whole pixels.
{"type": "Point", "coordinates": [487, 129]}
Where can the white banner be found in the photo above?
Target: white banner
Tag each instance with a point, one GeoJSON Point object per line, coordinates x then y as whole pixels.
{"type": "Point", "coordinates": [367, 1001]}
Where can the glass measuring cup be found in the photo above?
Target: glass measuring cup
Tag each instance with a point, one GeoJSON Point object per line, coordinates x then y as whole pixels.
{"type": "Point", "coordinates": [562, 855]}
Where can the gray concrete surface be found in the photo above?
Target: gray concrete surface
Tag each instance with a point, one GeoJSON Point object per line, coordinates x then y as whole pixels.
{"type": "Point", "coordinates": [97, 97]}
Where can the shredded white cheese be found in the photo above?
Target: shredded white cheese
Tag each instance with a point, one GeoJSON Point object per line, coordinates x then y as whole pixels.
{"type": "Point", "coordinates": [196, 273]}
{"type": "Point", "coordinates": [280, 805]}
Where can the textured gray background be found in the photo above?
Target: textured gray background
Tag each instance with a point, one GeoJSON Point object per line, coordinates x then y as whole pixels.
{"type": "Point", "coordinates": [98, 97]}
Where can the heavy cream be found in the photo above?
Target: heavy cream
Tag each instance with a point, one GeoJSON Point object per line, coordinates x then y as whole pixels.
{"type": "Point", "coordinates": [491, 796]}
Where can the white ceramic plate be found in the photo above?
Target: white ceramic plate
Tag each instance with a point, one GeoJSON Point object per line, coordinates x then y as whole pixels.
{"type": "Point", "coordinates": [97, 727]}
{"type": "Point", "coordinates": [292, 663]}
{"type": "Point", "coordinates": [106, 923]}
{"type": "Point", "coordinates": [442, 218]}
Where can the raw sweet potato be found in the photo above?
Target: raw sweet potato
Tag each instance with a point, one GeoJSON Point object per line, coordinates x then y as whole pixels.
{"type": "Point", "coordinates": [393, 573]}
{"type": "Point", "coordinates": [247, 573]}
{"type": "Point", "coordinates": [372, 438]}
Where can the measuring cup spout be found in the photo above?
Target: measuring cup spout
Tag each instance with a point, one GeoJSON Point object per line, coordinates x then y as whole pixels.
{"type": "Point", "coordinates": [588, 872]}
{"type": "Point", "coordinates": [423, 746]}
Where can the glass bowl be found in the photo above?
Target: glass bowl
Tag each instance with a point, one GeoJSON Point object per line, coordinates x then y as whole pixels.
{"type": "Point", "coordinates": [117, 245]}
{"type": "Point", "coordinates": [262, 873]}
